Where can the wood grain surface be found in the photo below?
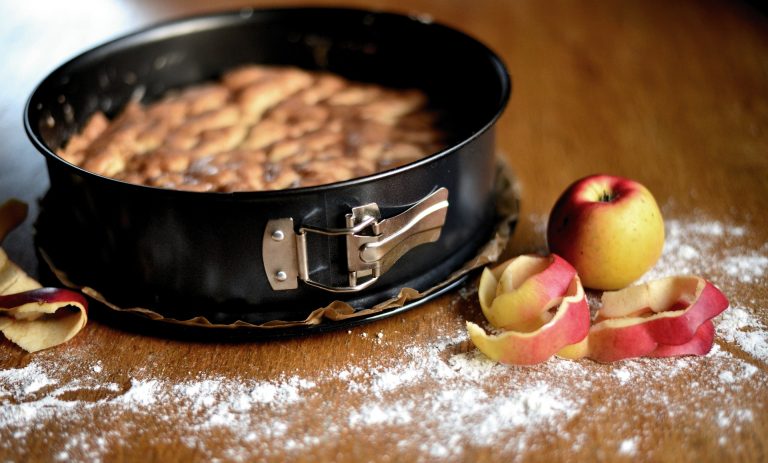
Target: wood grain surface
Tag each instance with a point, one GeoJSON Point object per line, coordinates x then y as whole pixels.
{"type": "Point", "coordinates": [672, 94]}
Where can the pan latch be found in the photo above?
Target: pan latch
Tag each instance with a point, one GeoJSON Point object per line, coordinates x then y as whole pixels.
{"type": "Point", "coordinates": [373, 244]}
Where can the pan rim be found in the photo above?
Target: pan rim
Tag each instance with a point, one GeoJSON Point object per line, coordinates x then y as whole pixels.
{"type": "Point", "coordinates": [206, 21]}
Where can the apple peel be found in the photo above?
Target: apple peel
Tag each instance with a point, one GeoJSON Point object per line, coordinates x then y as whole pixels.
{"type": "Point", "coordinates": [662, 318]}
{"type": "Point", "coordinates": [518, 294]}
{"type": "Point", "coordinates": [32, 317]}
{"type": "Point", "coordinates": [41, 318]}
{"type": "Point", "coordinates": [700, 344]}
{"type": "Point", "coordinates": [569, 325]}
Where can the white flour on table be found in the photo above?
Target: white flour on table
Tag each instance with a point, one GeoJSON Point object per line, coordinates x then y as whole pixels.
{"type": "Point", "coordinates": [453, 399]}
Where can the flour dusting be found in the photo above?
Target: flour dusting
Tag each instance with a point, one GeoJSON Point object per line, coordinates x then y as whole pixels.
{"type": "Point", "coordinates": [739, 326]}
{"type": "Point", "coordinates": [628, 447]}
{"type": "Point", "coordinates": [451, 398]}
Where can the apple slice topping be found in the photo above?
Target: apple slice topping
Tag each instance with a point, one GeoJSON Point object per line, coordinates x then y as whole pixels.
{"type": "Point", "coordinates": [538, 313]}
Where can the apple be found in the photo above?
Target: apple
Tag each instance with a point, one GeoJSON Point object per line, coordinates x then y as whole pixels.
{"type": "Point", "coordinates": [609, 228]}
{"type": "Point", "coordinates": [662, 318]}
{"type": "Point", "coordinates": [518, 293]}
{"type": "Point", "coordinates": [568, 325]}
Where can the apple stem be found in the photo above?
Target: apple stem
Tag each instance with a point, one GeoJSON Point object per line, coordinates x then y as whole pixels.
{"type": "Point", "coordinates": [606, 197]}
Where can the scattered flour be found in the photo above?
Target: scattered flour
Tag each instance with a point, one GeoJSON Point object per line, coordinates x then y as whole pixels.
{"type": "Point", "coordinates": [746, 268]}
{"type": "Point", "coordinates": [454, 399]}
{"type": "Point", "coordinates": [628, 447]}
{"type": "Point", "coordinates": [696, 247]}
{"type": "Point", "coordinates": [468, 403]}
{"type": "Point", "coordinates": [24, 381]}
{"type": "Point", "coordinates": [738, 325]}
{"type": "Point", "coordinates": [622, 374]}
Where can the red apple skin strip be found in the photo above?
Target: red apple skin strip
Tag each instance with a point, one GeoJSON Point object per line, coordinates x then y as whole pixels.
{"type": "Point", "coordinates": [679, 306]}
{"type": "Point", "coordinates": [30, 316]}
{"type": "Point", "coordinates": [33, 319]}
{"type": "Point", "coordinates": [709, 303]}
{"type": "Point", "coordinates": [576, 350]}
{"type": "Point", "coordinates": [669, 323]}
{"type": "Point", "coordinates": [701, 343]}
{"type": "Point", "coordinates": [620, 338]}
{"type": "Point", "coordinates": [569, 325]}
{"type": "Point", "coordinates": [41, 296]}
{"type": "Point", "coordinates": [528, 286]}
{"type": "Point", "coordinates": [652, 297]}
{"type": "Point", "coordinates": [610, 341]}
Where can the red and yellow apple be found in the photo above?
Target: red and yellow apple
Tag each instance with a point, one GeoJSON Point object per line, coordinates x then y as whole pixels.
{"type": "Point", "coordinates": [520, 297]}
{"type": "Point", "coordinates": [609, 228]}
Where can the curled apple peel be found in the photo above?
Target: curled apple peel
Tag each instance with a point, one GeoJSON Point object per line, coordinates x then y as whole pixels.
{"type": "Point", "coordinates": [700, 344]}
{"type": "Point", "coordinates": [519, 296]}
{"type": "Point", "coordinates": [43, 317]}
{"type": "Point", "coordinates": [662, 318]}
{"type": "Point", "coordinates": [540, 316]}
{"type": "Point", "coordinates": [519, 292]}
{"type": "Point", "coordinates": [33, 317]}
{"type": "Point", "coordinates": [673, 307]}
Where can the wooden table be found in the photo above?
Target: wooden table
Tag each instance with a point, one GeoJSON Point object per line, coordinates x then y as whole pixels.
{"type": "Point", "coordinates": [674, 95]}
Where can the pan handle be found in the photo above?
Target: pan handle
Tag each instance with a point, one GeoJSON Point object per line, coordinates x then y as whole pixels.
{"type": "Point", "coordinates": [373, 245]}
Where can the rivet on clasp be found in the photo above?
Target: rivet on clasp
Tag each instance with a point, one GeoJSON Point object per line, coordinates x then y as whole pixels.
{"type": "Point", "coordinates": [373, 244]}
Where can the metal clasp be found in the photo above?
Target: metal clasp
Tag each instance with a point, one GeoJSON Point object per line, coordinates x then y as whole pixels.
{"type": "Point", "coordinates": [373, 245]}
